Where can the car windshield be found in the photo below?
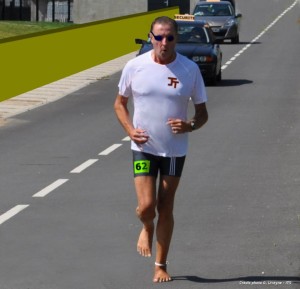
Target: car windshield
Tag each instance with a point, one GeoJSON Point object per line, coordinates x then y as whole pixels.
{"type": "Point", "coordinates": [213, 10]}
{"type": "Point", "coordinates": [192, 34]}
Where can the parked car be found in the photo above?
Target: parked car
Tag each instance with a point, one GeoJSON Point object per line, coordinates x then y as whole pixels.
{"type": "Point", "coordinates": [221, 17]}
{"type": "Point", "coordinates": [197, 42]}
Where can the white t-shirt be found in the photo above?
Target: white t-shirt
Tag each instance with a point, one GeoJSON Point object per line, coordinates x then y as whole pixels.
{"type": "Point", "coordinates": [161, 92]}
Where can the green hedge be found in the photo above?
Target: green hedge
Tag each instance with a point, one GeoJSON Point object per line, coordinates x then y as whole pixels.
{"type": "Point", "coordinates": [35, 60]}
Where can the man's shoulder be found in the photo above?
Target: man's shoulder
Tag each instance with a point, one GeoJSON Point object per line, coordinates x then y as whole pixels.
{"type": "Point", "coordinates": [139, 59]}
{"type": "Point", "coordinates": [186, 62]}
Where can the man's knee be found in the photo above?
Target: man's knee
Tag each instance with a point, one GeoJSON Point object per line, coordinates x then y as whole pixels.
{"type": "Point", "coordinates": [165, 212]}
{"type": "Point", "coordinates": [165, 208]}
{"type": "Point", "coordinates": [146, 213]}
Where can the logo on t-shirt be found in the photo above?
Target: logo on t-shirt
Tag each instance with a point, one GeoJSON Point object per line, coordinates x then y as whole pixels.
{"type": "Point", "coordinates": [173, 81]}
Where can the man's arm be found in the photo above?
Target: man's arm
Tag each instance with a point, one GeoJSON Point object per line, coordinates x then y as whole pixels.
{"type": "Point", "coordinates": [199, 119]}
{"type": "Point", "coordinates": [123, 114]}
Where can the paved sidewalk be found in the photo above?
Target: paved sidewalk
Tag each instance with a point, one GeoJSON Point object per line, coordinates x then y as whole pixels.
{"type": "Point", "coordinates": [58, 89]}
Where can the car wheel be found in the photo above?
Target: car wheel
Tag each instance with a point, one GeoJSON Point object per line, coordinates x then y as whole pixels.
{"type": "Point", "coordinates": [219, 75]}
{"type": "Point", "coordinates": [236, 39]}
{"type": "Point", "coordinates": [212, 80]}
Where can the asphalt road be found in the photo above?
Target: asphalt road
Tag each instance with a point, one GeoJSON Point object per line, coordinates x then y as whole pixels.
{"type": "Point", "coordinates": [67, 203]}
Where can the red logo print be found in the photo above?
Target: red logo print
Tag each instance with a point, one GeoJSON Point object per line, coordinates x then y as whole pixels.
{"type": "Point", "coordinates": [173, 81]}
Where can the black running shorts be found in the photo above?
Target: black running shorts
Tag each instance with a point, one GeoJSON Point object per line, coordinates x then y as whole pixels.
{"type": "Point", "coordinates": [145, 164]}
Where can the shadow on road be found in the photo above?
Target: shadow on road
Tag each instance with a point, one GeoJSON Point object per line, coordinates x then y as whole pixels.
{"type": "Point", "coordinates": [240, 43]}
{"type": "Point", "coordinates": [251, 279]}
{"type": "Point", "coordinates": [234, 82]}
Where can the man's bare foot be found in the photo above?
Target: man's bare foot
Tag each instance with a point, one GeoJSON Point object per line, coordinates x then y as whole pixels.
{"type": "Point", "coordinates": [144, 244]}
{"type": "Point", "coordinates": [161, 274]}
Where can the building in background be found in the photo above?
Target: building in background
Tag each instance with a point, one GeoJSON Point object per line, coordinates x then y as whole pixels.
{"type": "Point", "coordinates": [52, 10]}
{"type": "Point", "coordinates": [37, 10]}
{"type": "Point", "coordinates": [15, 10]}
{"type": "Point", "coordinates": [82, 11]}
{"type": "Point", "coordinates": [93, 10]}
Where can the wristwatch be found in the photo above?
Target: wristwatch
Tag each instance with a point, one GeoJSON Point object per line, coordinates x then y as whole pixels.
{"type": "Point", "coordinates": [193, 125]}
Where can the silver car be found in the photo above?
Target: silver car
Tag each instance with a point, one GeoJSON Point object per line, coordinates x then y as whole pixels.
{"type": "Point", "coordinates": [221, 17]}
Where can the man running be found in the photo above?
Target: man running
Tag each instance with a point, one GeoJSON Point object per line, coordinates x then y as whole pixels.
{"type": "Point", "coordinates": [161, 83]}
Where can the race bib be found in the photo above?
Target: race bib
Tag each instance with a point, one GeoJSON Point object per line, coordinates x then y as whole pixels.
{"type": "Point", "coordinates": [141, 166]}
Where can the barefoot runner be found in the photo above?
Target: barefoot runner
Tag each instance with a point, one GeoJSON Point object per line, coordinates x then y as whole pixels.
{"type": "Point", "coordinates": [161, 83]}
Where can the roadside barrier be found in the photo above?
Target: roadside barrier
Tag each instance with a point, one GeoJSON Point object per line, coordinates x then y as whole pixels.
{"type": "Point", "coordinates": [31, 61]}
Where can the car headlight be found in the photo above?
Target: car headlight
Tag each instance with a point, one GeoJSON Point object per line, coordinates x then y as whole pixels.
{"type": "Point", "coordinates": [196, 58]}
{"type": "Point", "coordinates": [230, 22]}
{"type": "Point", "coordinates": [202, 59]}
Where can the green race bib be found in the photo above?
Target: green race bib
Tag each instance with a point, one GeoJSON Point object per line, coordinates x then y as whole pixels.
{"type": "Point", "coordinates": [141, 167]}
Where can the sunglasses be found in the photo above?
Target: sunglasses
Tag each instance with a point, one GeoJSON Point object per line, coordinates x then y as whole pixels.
{"type": "Point", "coordinates": [170, 38]}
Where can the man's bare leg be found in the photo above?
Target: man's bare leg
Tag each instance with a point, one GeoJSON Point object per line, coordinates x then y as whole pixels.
{"type": "Point", "coordinates": [145, 188]}
{"type": "Point", "coordinates": [144, 244]}
{"type": "Point", "coordinates": [165, 225]}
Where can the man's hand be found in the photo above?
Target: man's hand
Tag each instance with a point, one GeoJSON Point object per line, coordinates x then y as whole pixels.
{"type": "Point", "coordinates": [139, 136]}
{"type": "Point", "coordinates": [178, 125]}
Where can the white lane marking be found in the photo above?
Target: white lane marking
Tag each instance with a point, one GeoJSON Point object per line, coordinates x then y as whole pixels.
{"type": "Point", "coordinates": [127, 138]}
{"type": "Point", "coordinates": [260, 35]}
{"type": "Point", "coordinates": [110, 149]}
{"type": "Point", "coordinates": [44, 192]}
{"type": "Point", "coordinates": [12, 212]}
{"type": "Point", "coordinates": [83, 166]}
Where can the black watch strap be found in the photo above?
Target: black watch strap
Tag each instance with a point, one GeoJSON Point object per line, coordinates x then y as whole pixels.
{"type": "Point", "coordinates": [193, 125]}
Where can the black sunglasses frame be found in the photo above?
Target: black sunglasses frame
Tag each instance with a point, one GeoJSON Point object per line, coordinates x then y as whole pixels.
{"type": "Point", "coordinates": [159, 38]}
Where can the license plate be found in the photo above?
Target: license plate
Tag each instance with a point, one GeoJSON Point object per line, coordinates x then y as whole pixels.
{"type": "Point", "coordinates": [216, 29]}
